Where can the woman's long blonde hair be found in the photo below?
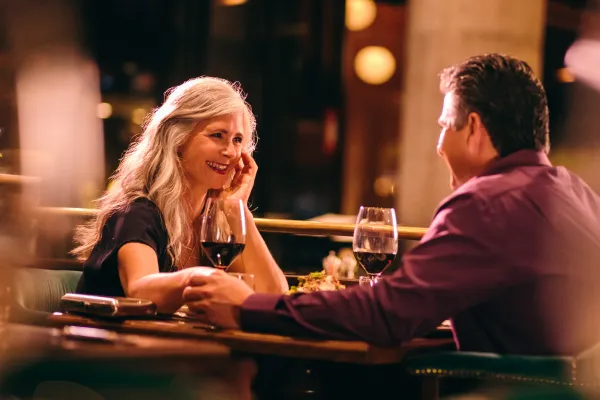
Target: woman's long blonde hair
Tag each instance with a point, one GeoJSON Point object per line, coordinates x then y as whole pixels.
{"type": "Point", "coordinates": [151, 167]}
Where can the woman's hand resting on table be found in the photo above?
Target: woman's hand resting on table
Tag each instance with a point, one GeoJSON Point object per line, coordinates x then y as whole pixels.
{"type": "Point", "coordinates": [217, 295]}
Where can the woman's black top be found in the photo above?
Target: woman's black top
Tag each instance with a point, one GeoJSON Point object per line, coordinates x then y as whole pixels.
{"type": "Point", "coordinates": [140, 222]}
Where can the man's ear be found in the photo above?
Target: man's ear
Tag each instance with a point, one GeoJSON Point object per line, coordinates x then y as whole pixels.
{"type": "Point", "coordinates": [476, 132]}
{"type": "Point", "coordinates": [473, 122]}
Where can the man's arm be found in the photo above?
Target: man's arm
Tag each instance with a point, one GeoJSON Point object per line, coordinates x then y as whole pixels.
{"type": "Point", "coordinates": [458, 264]}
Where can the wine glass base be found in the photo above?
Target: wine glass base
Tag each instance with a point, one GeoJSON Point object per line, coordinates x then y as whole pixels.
{"type": "Point", "coordinates": [368, 280]}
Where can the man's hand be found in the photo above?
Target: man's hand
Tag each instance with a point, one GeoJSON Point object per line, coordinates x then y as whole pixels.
{"type": "Point", "coordinates": [218, 295]}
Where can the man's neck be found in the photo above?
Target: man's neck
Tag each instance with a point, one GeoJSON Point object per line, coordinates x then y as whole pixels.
{"type": "Point", "coordinates": [476, 170]}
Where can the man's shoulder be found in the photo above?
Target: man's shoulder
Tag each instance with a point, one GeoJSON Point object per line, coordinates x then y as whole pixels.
{"type": "Point", "coordinates": [476, 209]}
{"type": "Point", "coordinates": [522, 194]}
{"type": "Point", "coordinates": [519, 182]}
{"type": "Point", "coordinates": [490, 186]}
{"type": "Point", "coordinates": [530, 182]}
{"type": "Point", "coordinates": [488, 193]}
{"type": "Point", "coordinates": [465, 196]}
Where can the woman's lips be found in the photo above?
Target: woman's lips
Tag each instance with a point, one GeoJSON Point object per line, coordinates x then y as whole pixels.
{"type": "Point", "coordinates": [217, 167]}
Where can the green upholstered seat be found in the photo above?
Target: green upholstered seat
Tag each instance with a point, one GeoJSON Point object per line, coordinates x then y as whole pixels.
{"type": "Point", "coordinates": [37, 293]}
{"type": "Point", "coordinates": [545, 370]}
{"type": "Point", "coordinates": [564, 376]}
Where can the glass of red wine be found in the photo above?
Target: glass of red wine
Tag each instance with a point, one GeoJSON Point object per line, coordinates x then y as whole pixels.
{"type": "Point", "coordinates": [375, 241]}
{"type": "Point", "coordinates": [223, 231]}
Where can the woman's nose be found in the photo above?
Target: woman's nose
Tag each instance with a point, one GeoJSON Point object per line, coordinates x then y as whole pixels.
{"type": "Point", "coordinates": [229, 150]}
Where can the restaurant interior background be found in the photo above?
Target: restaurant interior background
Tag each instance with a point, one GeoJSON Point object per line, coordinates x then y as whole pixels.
{"type": "Point", "coordinates": [345, 93]}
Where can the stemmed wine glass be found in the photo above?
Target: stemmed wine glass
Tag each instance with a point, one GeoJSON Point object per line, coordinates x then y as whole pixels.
{"type": "Point", "coordinates": [375, 241]}
{"type": "Point", "coordinates": [223, 231]}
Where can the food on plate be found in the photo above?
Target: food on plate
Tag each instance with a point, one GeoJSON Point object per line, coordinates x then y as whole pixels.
{"type": "Point", "coordinates": [316, 281]}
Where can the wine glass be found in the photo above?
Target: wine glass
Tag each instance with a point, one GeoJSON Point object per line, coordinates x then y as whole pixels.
{"type": "Point", "coordinates": [375, 241]}
{"type": "Point", "coordinates": [223, 231]}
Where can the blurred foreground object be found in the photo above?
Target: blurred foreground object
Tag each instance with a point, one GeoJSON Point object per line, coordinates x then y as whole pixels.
{"type": "Point", "coordinates": [580, 148]}
{"type": "Point", "coordinates": [60, 146]}
{"type": "Point", "coordinates": [583, 57]}
{"type": "Point", "coordinates": [57, 94]}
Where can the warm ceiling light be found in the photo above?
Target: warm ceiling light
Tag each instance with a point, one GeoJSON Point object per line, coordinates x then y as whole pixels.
{"type": "Point", "coordinates": [374, 65]}
{"type": "Point", "coordinates": [232, 2]}
{"type": "Point", "coordinates": [104, 110]}
{"type": "Point", "coordinates": [360, 14]}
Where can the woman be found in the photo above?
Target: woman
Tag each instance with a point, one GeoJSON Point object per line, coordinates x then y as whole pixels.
{"type": "Point", "coordinates": [144, 239]}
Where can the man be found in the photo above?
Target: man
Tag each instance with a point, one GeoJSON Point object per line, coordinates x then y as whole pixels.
{"type": "Point", "coordinates": [511, 255]}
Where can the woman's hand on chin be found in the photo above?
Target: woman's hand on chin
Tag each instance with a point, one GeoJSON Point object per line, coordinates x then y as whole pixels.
{"type": "Point", "coordinates": [243, 180]}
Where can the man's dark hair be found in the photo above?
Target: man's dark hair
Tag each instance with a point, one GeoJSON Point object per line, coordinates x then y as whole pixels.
{"type": "Point", "coordinates": [506, 95]}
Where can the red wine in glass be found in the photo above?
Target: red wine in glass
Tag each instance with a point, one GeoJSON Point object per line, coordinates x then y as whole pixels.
{"type": "Point", "coordinates": [223, 231]}
{"type": "Point", "coordinates": [375, 241]}
{"type": "Point", "coordinates": [222, 254]}
{"type": "Point", "coordinates": [374, 263]}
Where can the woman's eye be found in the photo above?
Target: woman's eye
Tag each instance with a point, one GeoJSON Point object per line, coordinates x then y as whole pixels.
{"type": "Point", "coordinates": [217, 135]}
{"type": "Point", "coordinates": [238, 140]}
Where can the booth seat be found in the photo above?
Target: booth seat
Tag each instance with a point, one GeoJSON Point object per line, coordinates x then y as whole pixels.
{"type": "Point", "coordinates": [37, 293]}
{"type": "Point", "coordinates": [566, 377]}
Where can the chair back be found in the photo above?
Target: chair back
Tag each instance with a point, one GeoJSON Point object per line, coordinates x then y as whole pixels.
{"type": "Point", "coordinates": [37, 293]}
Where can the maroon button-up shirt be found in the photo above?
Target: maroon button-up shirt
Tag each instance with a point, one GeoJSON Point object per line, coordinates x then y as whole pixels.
{"type": "Point", "coordinates": [512, 257]}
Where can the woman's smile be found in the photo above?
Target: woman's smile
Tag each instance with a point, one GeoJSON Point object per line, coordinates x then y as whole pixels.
{"type": "Point", "coordinates": [218, 167]}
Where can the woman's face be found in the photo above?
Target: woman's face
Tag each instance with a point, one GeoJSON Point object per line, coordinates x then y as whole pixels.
{"type": "Point", "coordinates": [213, 150]}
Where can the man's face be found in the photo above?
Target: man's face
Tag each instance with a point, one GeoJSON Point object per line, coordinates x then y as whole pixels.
{"type": "Point", "coordinates": [453, 144]}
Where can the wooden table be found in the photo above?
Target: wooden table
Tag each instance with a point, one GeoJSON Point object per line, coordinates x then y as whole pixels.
{"type": "Point", "coordinates": [254, 343]}
{"type": "Point", "coordinates": [123, 367]}
{"type": "Point", "coordinates": [25, 343]}
{"type": "Point", "coordinates": [291, 368]}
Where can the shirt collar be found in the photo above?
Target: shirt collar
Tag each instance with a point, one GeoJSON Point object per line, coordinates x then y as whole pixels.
{"type": "Point", "coordinates": [521, 158]}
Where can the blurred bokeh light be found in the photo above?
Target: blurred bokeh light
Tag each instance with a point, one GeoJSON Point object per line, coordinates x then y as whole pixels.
{"type": "Point", "coordinates": [374, 65]}
{"type": "Point", "coordinates": [360, 14]}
